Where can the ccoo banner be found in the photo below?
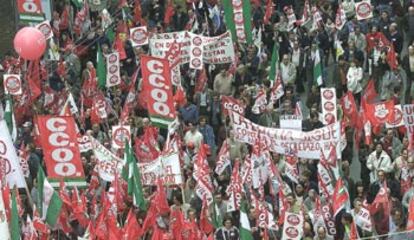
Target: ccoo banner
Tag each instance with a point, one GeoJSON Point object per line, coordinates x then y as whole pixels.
{"type": "Point", "coordinates": [156, 80]}
{"type": "Point", "coordinates": [61, 152]}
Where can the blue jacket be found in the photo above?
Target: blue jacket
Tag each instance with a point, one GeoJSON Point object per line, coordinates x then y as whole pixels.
{"type": "Point", "coordinates": [208, 135]}
{"type": "Point", "coordinates": [189, 113]}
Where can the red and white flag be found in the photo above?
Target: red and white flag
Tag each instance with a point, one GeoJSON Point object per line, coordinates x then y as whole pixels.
{"type": "Point", "coordinates": [379, 113]}
{"type": "Point", "coordinates": [268, 12]}
{"type": "Point", "coordinates": [277, 89]}
{"type": "Point", "coordinates": [340, 198]}
{"type": "Point", "coordinates": [235, 189]}
{"type": "Point", "coordinates": [340, 19]}
{"type": "Point", "coordinates": [223, 159]}
{"type": "Point", "coordinates": [260, 103]}
{"type": "Point", "coordinates": [349, 108]}
{"type": "Point", "coordinates": [231, 104]}
{"type": "Point", "coordinates": [156, 81]}
{"type": "Point", "coordinates": [60, 146]}
{"type": "Point", "coordinates": [131, 97]}
{"type": "Point", "coordinates": [410, 220]}
{"type": "Point", "coordinates": [204, 187]}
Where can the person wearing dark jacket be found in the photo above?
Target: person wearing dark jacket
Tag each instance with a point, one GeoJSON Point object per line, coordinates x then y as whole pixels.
{"type": "Point", "coordinates": [312, 123]}
{"type": "Point", "coordinates": [228, 231]}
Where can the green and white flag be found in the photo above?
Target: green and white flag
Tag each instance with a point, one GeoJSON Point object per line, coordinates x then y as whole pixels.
{"type": "Point", "coordinates": [100, 68]}
{"type": "Point", "coordinates": [134, 179]}
{"type": "Point", "coordinates": [317, 69]}
{"type": "Point", "coordinates": [49, 202]}
{"type": "Point", "coordinates": [9, 117]}
{"type": "Point", "coordinates": [274, 65]}
{"type": "Point", "coordinates": [237, 14]}
{"type": "Point", "coordinates": [245, 230]}
{"type": "Point", "coordinates": [14, 223]}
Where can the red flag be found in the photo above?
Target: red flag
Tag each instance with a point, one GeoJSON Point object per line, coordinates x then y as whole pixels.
{"type": "Point", "coordinates": [379, 113]}
{"type": "Point", "coordinates": [64, 196]}
{"type": "Point", "coordinates": [114, 233]}
{"type": "Point", "coordinates": [256, 3]}
{"type": "Point", "coordinates": [205, 224]}
{"type": "Point", "coordinates": [100, 227]}
{"type": "Point", "coordinates": [33, 78]}
{"type": "Point", "coordinates": [392, 57]}
{"type": "Point", "coordinates": [150, 218]}
{"type": "Point", "coordinates": [201, 81]}
{"type": "Point", "coordinates": [64, 18]}
{"type": "Point", "coordinates": [349, 107]}
{"type": "Point", "coordinates": [119, 47]}
{"type": "Point", "coordinates": [161, 199]}
{"type": "Point", "coordinates": [169, 12]}
{"type": "Point", "coordinates": [410, 220]}
{"type": "Point", "coordinates": [381, 201]}
{"type": "Point", "coordinates": [177, 223]}
{"type": "Point", "coordinates": [79, 208]}
{"type": "Point", "coordinates": [179, 97]}
{"type": "Point", "coordinates": [63, 221]}
{"type": "Point", "coordinates": [132, 229]}
{"type": "Point", "coordinates": [353, 233]}
{"type": "Point", "coordinates": [235, 188]}
{"type": "Point", "coordinates": [130, 99]}
{"type": "Point", "coordinates": [283, 205]}
{"type": "Point", "coordinates": [119, 194]}
{"type": "Point", "coordinates": [340, 197]}
{"type": "Point", "coordinates": [146, 146]}
{"type": "Point", "coordinates": [39, 225]}
{"type": "Point", "coordinates": [6, 199]}
{"type": "Point", "coordinates": [369, 93]}
{"type": "Point", "coordinates": [138, 13]}
{"type": "Point", "coordinates": [122, 3]}
{"type": "Point", "coordinates": [269, 12]}
{"type": "Point", "coordinates": [98, 111]}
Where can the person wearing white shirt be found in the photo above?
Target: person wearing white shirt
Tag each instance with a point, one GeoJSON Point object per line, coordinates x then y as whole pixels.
{"type": "Point", "coordinates": [287, 70]}
{"type": "Point", "coordinates": [362, 217]}
{"type": "Point", "coordinates": [378, 160]}
{"type": "Point", "coordinates": [354, 78]}
{"type": "Point", "coordinates": [193, 136]}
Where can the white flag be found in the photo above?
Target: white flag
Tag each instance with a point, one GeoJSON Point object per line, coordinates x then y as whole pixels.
{"type": "Point", "coordinates": [8, 155]}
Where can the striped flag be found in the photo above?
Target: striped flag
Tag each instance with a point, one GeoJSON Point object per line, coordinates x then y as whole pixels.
{"type": "Point", "coordinates": [317, 69]}
{"type": "Point", "coordinates": [49, 201]}
{"type": "Point", "coordinates": [14, 222]}
{"type": "Point", "coordinates": [238, 20]}
{"type": "Point", "coordinates": [100, 69]}
{"type": "Point", "coordinates": [340, 197]}
{"type": "Point", "coordinates": [245, 230]}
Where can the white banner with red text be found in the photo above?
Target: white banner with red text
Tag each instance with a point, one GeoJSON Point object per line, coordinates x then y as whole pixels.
{"type": "Point", "coordinates": [165, 167]}
{"type": "Point", "coordinates": [215, 50]}
{"type": "Point", "coordinates": [107, 162]}
{"type": "Point", "coordinates": [305, 144]}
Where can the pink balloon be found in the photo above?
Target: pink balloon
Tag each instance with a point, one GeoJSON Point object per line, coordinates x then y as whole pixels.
{"type": "Point", "coordinates": [30, 43]}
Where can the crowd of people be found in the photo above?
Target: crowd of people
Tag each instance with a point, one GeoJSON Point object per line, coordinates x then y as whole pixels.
{"type": "Point", "coordinates": [369, 60]}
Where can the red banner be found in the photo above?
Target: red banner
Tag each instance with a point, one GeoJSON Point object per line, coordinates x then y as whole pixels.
{"type": "Point", "coordinates": [156, 75]}
{"type": "Point", "coordinates": [229, 103]}
{"type": "Point", "coordinates": [60, 147]}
